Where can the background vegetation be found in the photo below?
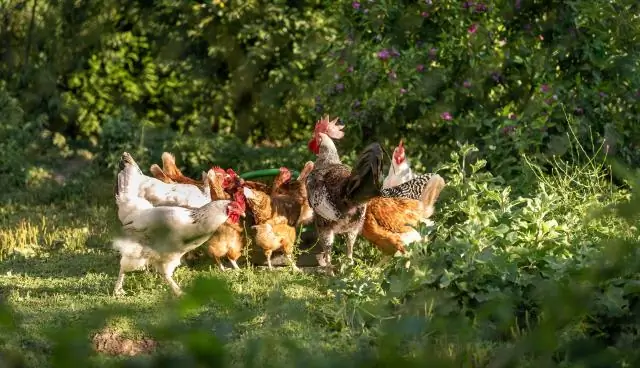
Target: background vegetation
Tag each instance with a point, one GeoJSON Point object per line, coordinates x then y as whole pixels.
{"type": "Point", "coordinates": [524, 107]}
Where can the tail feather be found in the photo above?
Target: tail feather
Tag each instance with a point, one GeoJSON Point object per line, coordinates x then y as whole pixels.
{"type": "Point", "coordinates": [430, 194]}
{"type": "Point", "coordinates": [169, 165]}
{"type": "Point", "coordinates": [159, 174]}
{"type": "Point", "coordinates": [128, 182]}
{"type": "Point", "coordinates": [365, 181]}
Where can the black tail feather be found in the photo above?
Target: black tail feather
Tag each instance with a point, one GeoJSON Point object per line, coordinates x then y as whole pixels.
{"type": "Point", "coordinates": [365, 181]}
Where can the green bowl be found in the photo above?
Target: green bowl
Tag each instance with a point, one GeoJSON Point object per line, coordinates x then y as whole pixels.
{"type": "Point", "coordinates": [264, 173]}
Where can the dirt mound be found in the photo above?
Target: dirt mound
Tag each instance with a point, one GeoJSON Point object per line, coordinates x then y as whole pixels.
{"type": "Point", "coordinates": [112, 343]}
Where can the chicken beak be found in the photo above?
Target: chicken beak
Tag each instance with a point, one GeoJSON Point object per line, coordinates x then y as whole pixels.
{"type": "Point", "coordinates": [243, 214]}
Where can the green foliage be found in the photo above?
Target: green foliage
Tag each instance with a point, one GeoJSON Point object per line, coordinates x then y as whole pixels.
{"type": "Point", "coordinates": [501, 75]}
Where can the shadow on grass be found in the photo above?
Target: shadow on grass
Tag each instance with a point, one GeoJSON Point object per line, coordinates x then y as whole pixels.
{"type": "Point", "coordinates": [62, 264]}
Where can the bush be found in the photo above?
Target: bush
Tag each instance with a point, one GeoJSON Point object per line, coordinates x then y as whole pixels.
{"type": "Point", "coordinates": [502, 75]}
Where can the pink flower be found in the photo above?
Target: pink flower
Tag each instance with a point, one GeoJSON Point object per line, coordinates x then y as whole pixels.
{"type": "Point", "coordinates": [403, 91]}
{"type": "Point", "coordinates": [466, 84]}
{"type": "Point", "coordinates": [545, 88]}
{"type": "Point", "coordinates": [384, 54]}
{"type": "Point", "coordinates": [424, 14]}
{"type": "Point", "coordinates": [420, 68]}
{"type": "Point", "coordinates": [473, 28]}
{"type": "Point", "coordinates": [446, 116]}
{"type": "Point", "coordinates": [356, 5]}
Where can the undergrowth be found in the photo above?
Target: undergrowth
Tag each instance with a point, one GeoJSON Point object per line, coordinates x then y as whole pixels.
{"type": "Point", "coordinates": [546, 277]}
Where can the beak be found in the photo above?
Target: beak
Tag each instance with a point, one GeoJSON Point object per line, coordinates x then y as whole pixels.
{"type": "Point", "coordinates": [243, 214]}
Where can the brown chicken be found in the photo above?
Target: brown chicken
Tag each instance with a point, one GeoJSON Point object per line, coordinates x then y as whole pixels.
{"type": "Point", "coordinates": [228, 240]}
{"type": "Point", "coordinates": [290, 201]}
{"type": "Point", "coordinates": [276, 234]}
{"type": "Point", "coordinates": [389, 222]}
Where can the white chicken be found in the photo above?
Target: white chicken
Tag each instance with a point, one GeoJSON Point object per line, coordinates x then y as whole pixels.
{"type": "Point", "coordinates": [160, 193]}
{"type": "Point", "coordinates": [160, 236]}
{"type": "Point", "coordinates": [400, 170]}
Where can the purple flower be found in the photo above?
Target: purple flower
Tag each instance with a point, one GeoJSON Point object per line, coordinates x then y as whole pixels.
{"type": "Point", "coordinates": [473, 28]}
{"type": "Point", "coordinates": [383, 54]}
{"type": "Point", "coordinates": [356, 104]}
{"type": "Point", "coordinates": [517, 5]}
{"type": "Point", "coordinates": [433, 52]}
{"type": "Point", "coordinates": [420, 68]}
{"type": "Point", "coordinates": [339, 87]}
{"type": "Point", "coordinates": [481, 8]}
{"type": "Point", "coordinates": [467, 4]}
{"type": "Point", "coordinates": [446, 116]}
{"type": "Point", "coordinates": [545, 88]}
{"type": "Point", "coordinates": [356, 5]}
{"type": "Point", "coordinates": [466, 84]}
{"type": "Point", "coordinates": [350, 69]}
{"type": "Point", "coordinates": [392, 75]}
{"type": "Point", "coordinates": [424, 14]}
{"type": "Point", "coordinates": [602, 94]}
{"type": "Point", "coordinates": [403, 91]}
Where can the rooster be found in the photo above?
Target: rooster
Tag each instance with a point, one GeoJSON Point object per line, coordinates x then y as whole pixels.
{"type": "Point", "coordinates": [400, 170]}
{"type": "Point", "coordinates": [338, 194]}
{"type": "Point", "coordinates": [160, 236]}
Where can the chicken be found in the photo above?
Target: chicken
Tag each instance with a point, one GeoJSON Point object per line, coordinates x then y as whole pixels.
{"type": "Point", "coordinates": [265, 207]}
{"type": "Point", "coordinates": [161, 193]}
{"type": "Point", "coordinates": [161, 235]}
{"type": "Point", "coordinates": [389, 222]}
{"type": "Point", "coordinates": [283, 177]}
{"type": "Point", "coordinates": [170, 172]}
{"type": "Point", "coordinates": [276, 234]}
{"type": "Point", "coordinates": [228, 240]}
{"type": "Point", "coordinates": [400, 170]}
{"type": "Point", "coordinates": [338, 194]}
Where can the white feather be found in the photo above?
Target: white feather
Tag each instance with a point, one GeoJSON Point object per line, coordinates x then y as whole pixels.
{"type": "Point", "coordinates": [398, 174]}
{"type": "Point", "coordinates": [410, 237]}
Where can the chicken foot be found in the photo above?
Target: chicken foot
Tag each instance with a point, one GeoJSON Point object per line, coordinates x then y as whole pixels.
{"type": "Point", "coordinates": [166, 269]}
{"type": "Point", "coordinates": [351, 241]}
{"type": "Point", "coordinates": [267, 254]}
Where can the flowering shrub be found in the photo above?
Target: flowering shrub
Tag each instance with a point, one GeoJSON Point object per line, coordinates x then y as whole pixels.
{"type": "Point", "coordinates": [503, 75]}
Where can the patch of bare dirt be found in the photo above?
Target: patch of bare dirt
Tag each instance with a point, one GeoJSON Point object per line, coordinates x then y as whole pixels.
{"type": "Point", "coordinates": [112, 343]}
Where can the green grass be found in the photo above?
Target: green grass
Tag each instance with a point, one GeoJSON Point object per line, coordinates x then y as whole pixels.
{"type": "Point", "coordinates": [510, 277]}
{"type": "Point", "coordinates": [58, 270]}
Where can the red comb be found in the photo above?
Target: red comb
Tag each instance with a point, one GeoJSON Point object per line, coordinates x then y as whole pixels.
{"type": "Point", "coordinates": [218, 170]}
{"type": "Point", "coordinates": [239, 198]}
{"type": "Point", "coordinates": [329, 127]}
{"type": "Point", "coordinates": [231, 172]}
